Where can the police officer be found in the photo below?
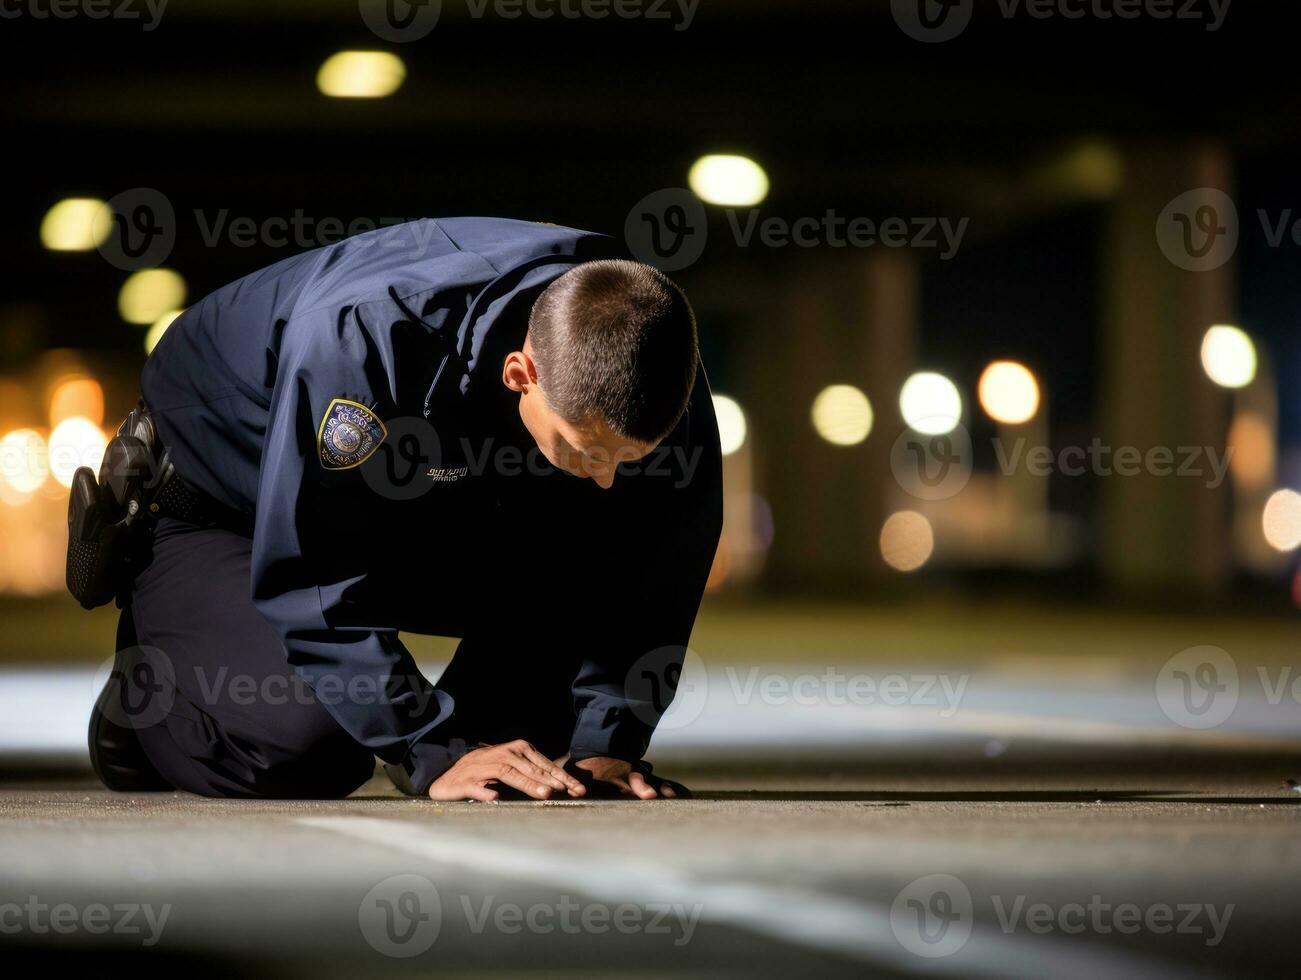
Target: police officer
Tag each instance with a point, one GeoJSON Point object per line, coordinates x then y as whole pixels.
{"type": "Point", "coordinates": [471, 427]}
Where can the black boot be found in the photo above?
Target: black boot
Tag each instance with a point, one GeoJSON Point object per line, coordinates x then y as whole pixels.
{"type": "Point", "coordinates": [115, 751]}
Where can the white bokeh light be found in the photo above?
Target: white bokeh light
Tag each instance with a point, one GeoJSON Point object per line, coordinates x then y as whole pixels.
{"type": "Point", "coordinates": [150, 293]}
{"type": "Point", "coordinates": [1282, 520]}
{"type": "Point", "coordinates": [907, 541]}
{"type": "Point", "coordinates": [930, 403]}
{"type": "Point", "coordinates": [23, 465]}
{"type": "Point", "coordinates": [361, 75]}
{"type": "Point", "coordinates": [728, 180]}
{"type": "Point", "coordinates": [75, 442]}
{"type": "Point", "coordinates": [76, 224]}
{"type": "Point", "coordinates": [1229, 357]}
{"type": "Point", "coordinates": [842, 415]}
{"type": "Point", "coordinates": [1009, 392]}
{"type": "Point", "coordinates": [731, 424]}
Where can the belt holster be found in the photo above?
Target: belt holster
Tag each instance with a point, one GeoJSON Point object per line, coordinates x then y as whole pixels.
{"type": "Point", "coordinates": [111, 517]}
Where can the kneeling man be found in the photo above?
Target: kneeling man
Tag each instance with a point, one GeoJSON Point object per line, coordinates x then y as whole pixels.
{"type": "Point", "coordinates": [479, 428]}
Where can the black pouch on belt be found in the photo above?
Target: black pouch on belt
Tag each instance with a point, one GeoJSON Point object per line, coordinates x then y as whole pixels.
{"type": "Point", "coordinates": [110, 516]}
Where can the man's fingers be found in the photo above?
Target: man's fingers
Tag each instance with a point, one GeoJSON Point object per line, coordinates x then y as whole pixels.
{"type": "Point", "coordinates": [526, 765]}
{"type": "Point", "coordinates": [567, 781]}
{"type": "Point", "coordinates": [481, 793]}
{"type": "Point", "coordinates": [466, 789]}
{"type": "Point", "coordinates": [639, 787]}
{"type": "Point", "coordinates": [506, 773]}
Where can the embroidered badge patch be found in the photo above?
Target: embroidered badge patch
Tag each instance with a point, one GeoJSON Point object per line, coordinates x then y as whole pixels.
{"type": "Point", "coordinates": [349, 433]}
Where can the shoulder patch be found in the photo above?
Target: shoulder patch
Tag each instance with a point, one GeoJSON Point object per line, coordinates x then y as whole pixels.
{"type": "Point", "coordinates": [349, 433]}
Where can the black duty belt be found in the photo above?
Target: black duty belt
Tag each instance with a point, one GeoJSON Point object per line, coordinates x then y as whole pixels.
{"type": "Point", "coordinates": [111, 516]}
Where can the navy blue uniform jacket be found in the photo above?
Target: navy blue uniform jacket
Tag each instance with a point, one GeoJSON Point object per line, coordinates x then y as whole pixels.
{"type": "Point", "coordinates": [410, 322]}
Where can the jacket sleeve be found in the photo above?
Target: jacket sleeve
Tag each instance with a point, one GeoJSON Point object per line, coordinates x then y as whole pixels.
{"type": "Point", "coordinates": [314, 547]}
{"type": "Point", "coordinates": [646, 590]}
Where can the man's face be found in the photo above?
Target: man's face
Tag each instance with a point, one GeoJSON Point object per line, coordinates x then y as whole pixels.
{"type": "Point", "coordinates": [588, 450]}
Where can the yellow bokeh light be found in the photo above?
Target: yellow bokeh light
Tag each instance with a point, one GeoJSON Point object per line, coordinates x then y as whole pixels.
{"type": "Point", "coordinates": [930, 404]}
{"type": "Point", "coordinates": [731, 424]}
{"type": "Point", "coordinates": [1229, 357]}
{"type": "Point", "coordinates": [1009, 392]}
{"type": "Point", "coordinates": [77, 396]}
{"type": "Point", "coordinates": [150, 293]}
{"type": "Point", "coordinates": [907, 541]}
{"type": "Point", "coordinates": [75, 442]}
{"type": "Point", "coordinates": [842, 415]}
{"type": "Point", "coordinates": [77, 224]}
{"type": "Point", "coordinates": [159, 328]}
{"type": "Point", "coordinates": [1282, 520]}
{"type": "Point", "coordinates": [1251, 438]}
{"type": "Point", "coordinates": [361, 75]}
{"type": "Point", "coordinates": [728, 180]}
{"type": "Point", "coordinates": [23, 461]}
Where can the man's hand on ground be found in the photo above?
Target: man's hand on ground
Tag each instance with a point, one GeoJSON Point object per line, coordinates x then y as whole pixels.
{"type": "Point", "coordinates": [516, 764]}
{"type": "Point", "coordinates": [628, 781]}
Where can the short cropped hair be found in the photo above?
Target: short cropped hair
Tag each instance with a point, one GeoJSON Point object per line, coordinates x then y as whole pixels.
{"type": "Point", "coordinates": [616, 341]}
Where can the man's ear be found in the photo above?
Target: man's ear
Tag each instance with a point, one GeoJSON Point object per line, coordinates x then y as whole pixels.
{"type": "Point", "coordinates": [518, 371]}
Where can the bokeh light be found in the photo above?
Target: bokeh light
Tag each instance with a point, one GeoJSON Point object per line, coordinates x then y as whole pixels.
{"type": "Point", "coordinates": [1229, 357]}
{"type": "Point", "coordinates": [23, 466]}
{"type": "Point", "coordinates": [155, 333]}
{"type": "Point", "coordinates": [150, 293]}
{"type": "Point", "coordinates": [1282, 520]}
{"type": "Point", "coordinates": [77, 224]}
{"type": "Point", "coordinates": [842, 415]}
{"type": "Point", "coordinates": [1251, 438]}
{"type": "Point", "coordinates": [77, 396]}
{"type": "Point", "coordinates": [731, 424]}
{"type": "Point", "coordinates": [907, 541]}
{"type": "Point", "coordinates": [75, 442]}
{"type": "Point", "coordinates": [361, 75]}
{"type": "Point", "coordinates": [728, 180]}
{"type": "Point", "coordinates": [930, 403]}
{"type": "Point", "coordinates": [1009, 392]}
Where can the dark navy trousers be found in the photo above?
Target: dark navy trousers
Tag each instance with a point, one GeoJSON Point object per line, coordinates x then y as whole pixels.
{"type": "Point", "coordinates": [222, 713]}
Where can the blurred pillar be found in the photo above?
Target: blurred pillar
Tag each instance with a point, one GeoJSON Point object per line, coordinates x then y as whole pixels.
{"type": "Point", "coordinates": [889, 292]}
{"type": "Point", "coordinates": [847, 318]}
{"type": "Point", "coordinates": [1161, 532]}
